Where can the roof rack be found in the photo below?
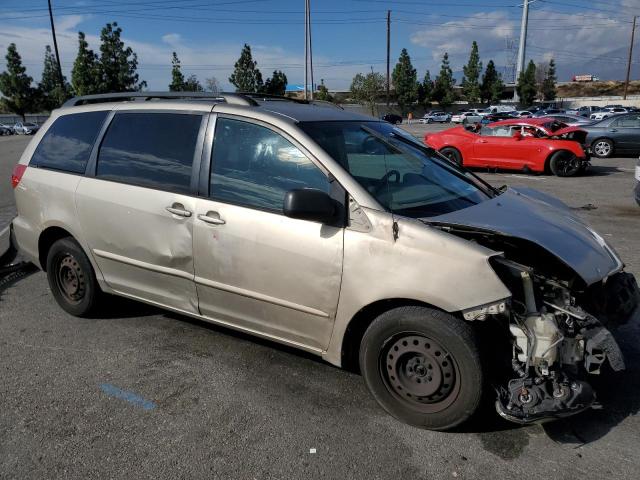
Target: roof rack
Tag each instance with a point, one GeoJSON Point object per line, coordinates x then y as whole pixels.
{"type": "Point", "coordinates": [266, 97]}
{"type": "Point", "coordinates": [230, 98]}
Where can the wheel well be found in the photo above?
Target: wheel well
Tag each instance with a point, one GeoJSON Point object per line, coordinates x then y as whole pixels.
{"type": "Point", "coordinates": [47, 238]}
{"type": "Point", "coordinates": [603, 138]}
{"type": "Point", "coordinates": [359, 324]}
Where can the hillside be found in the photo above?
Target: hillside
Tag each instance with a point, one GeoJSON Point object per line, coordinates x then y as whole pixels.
{"type": "Point", "coordinates": [597, 89]}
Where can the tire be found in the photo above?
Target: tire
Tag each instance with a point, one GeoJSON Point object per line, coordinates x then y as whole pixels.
{"type": "Point", "coordinates": [423, 367]}
{"type": "Point", "coordinates": [452, 154]}
{"type": "Point", "coordinates": [71, 278]}
{"type": "Point", "coordinates": [602, 148]}
{"type": "Point", "coordinates": [429, 120]}
{"type": "Point", "coordinates": [564, 164]}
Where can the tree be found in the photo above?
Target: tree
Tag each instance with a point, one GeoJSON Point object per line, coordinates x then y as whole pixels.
{"type": "Point", "coordinates": [425, 90]}
{"type": "Point", "coordinates": [276, 85]}
{"type": "Point", "coordinates": [489, 79]}
{"type": "Point", "coordinates": [405, 82]}
{"type": "Point", "coordinates": [366, 89]}
{"type": "Point", "coordinates": [323, 92]}
{"type": "Point", "coordinates": [15, 85]}
{"type": "Point", "coordinates": [549, 82]}
{"type": "Point", "coordinates": [191, 84]}
{"type": "Point", "coordinates": [118, 64]}
{"type": "Point", "coordinates": [246, 76]}
{"type": "Point", "coordinates": [85, 75]}
{"type": "Point", "coordinates": [470, 81]}
{"type": "Point", "coordinates": [52, 94]}
{"type": "Point", "coordinates": [495, 93]}
{"type": "Point", "coordinates": [526, 86]}
{"type": "Point", "coordinates": [177, 78]}
{"type": "Point", "coordinates": [443, 86]}
{"type": "Point", "coordinates": [211, 84]}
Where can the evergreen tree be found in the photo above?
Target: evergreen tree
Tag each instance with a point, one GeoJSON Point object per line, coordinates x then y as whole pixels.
{"type": "Point", "coordinates": [118, 64]}
{"type": "Point", "coordinates": [489, 79]}
{"type": "Point", "coordinates": [470, 81]}
{"type": "Point", "coordinates": [246, 76]}
{"type": "Point", "coordinates": [405, 82]}
{"type": "Point", "coordinates": [277, 84]}
{"type": "Point", "coordinates": [549, 82]}
{"type": "Point", "coordinates": [526, 86]}
{"type": "Point", "coordinates": [443, 86]}
{"type": "Point", "coordinates": [323, 92]}
{"type": "Point", "coordinates": [425, 90]}
{"type": "Point", "coordinates": [191, 84]}
{"type": "Point", "coordinates": [15, 85]}
{"type": "Point", "coordinates": [177, 78]}
{"type": "Point", "coordinates": [495, 93]}
{"type": "Point", "coordinates": [84, 75]}
{"type": "Point", "coordinates": [366, 89]}
{"type": "Point", "coordinates": [52, 94]}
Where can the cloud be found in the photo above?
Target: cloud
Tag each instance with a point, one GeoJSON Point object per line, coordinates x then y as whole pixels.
{"type": "Point", "coordinates": [172, 39]}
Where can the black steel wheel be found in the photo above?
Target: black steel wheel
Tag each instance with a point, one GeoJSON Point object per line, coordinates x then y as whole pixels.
{"type": "Point", "coordinates": [452, 154]}
{"type": "Point", "coordinates": [71, 278]}
{"type": "Point", "coordinates": [565, 164]}
{"type": "Point", "coordinates": [423, 366]}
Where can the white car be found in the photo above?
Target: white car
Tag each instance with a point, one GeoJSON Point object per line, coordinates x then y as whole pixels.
{"type": "Point", "coordinates": [524, 114]}
{"type": "Point", "coordinates": [466, 117]}
{"type": "Point", "coordinates": [608, 112]}
{"type": "Point", "coordinates": [431, 117]}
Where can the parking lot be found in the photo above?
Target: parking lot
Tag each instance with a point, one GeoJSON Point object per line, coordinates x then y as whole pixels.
{"type": "Point", "coordinates": [140, 393]}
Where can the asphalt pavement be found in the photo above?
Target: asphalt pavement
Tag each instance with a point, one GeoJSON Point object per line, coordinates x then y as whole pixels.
{"type": "Point", "coordinates": [142, 393]}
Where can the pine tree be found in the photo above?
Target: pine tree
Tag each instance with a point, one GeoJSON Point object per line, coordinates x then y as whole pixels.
{"type": "Point", "coordinates": [549, 82]}
{"type": "Point", "coordinates": [52, 94]}
{"type": "Point", "coordinates": [526, 86]}
{"type": "Point", "coordinates": [246, 76]}
{"type": "Point", "coordinates": [405, 82]}
{"type": "Point", "coordinates": [177, 78]}
{"type": "Point", "coordinates": [192, 84]}
{"type": "Point", "coordinates": [323, 92]}
{"type": "Point", "coordinates": [425, 90]}
{"type": "Point", "coordinates": [470, 81]}
{"type": "Point", "coordinates": [366, 89]}
{"type": "Point", "coordinates": [84, 75]}
{"type": "Point", "coordinates": [15, 85]}
{"type": "Point", "coordinates": [495, 93]}
{"type": "Point", "coordinates": [488, 80]}
{"type": "Point", "coordinates": [443, 86]}
{"type": "Point", "coordinates": [277, 84]}
{"type": "Point", "coordinates": [118, 64]}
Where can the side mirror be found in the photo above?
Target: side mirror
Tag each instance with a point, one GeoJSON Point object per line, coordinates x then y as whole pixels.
{"type": "Point", "coordinates": [309, 204]}
{"type": "Point", "coordinates": [517, 136]}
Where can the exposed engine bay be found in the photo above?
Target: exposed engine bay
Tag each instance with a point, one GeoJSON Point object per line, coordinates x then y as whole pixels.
{"type": "Point", "coordinates": [558, 327]}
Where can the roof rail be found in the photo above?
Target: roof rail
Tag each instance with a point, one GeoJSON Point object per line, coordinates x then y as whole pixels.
{"type": "Point", "coordinates": [231, 98]}
{"type": "Point", "coordinates": [266, 97]}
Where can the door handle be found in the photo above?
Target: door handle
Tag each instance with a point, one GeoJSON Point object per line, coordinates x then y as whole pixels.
{"type": "Point", "coordinates": [483, 141]}
{"type": "Point", "coordinates": [178, 209]}
{"type": "Point", "coordinates": [613, 129]}
{"type": "Point", "coordinates": [212, 218]}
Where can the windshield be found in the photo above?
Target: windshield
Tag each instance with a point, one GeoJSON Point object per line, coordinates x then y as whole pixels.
{"type": "Point", "coordinates": [404, 176]}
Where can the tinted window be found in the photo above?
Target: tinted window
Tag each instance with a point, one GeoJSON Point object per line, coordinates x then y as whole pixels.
{"type": "Point", "coordinates": [150, 149]}
{"type": "Point", "coordinates": [630, 121]}
{"type": "Point", "coordinates": [255, 167]}
{"type": "Point", "coordinates": [67, 144]}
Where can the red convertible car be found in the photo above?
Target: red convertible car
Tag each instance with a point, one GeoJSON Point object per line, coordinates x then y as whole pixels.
{"type": "Point", "coordinates": [527, 144]}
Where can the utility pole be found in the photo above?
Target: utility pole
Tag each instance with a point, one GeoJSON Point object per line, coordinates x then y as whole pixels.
{"type": "Point", "coordinates": [55, 47]}
{"type": "Point", "coordinates": [310, 49]}
{"type": "Point", "coordinates": [388, 54]}
{"type": "Point", "coordinates": [626, 83]}
{"type": "Point", "coordinates": [523, 46]}
{"type": "Point", "coordinates": [306, 49]}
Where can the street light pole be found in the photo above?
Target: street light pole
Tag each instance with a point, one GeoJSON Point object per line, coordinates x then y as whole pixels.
{"type": "Point", "coordinates": [306, 50]}
{"type": "Point", "coordinates": [55, 46]}
{"type": "Point", "coordinates": [523, 46]}
{"type": "Point", "coordinates": [626, 83]}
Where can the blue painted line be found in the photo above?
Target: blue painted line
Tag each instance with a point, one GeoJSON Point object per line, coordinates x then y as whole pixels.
{"type": "Point", "coordinates": [127, 396]}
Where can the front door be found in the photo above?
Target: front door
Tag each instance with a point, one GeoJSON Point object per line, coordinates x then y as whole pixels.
{"type": "Point", "coordinates": [626, 132]}
{"type": "Point", "coordinates": [255, 268]}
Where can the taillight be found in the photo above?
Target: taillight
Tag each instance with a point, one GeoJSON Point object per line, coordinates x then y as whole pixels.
{"type": "Point", "coordinates": [18, 172]}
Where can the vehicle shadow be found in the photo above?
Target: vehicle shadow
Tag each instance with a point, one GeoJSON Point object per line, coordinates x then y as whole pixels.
{"type": "Point", "coordinates": [114, 306]}
{"type": "Point", "coordinates": [600, 171]}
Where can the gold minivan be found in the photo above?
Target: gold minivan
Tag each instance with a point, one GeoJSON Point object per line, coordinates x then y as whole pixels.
{"type": "Point", "coordinates": [332, 232]}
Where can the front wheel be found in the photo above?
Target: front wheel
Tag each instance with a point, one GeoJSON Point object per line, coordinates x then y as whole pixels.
{"type": "Point", "coordinates": [423, 367]}
{"type": "Point", "coordinates": [452, 154]}
{"type": "Point", "coordinates": [565, 164]}
{"type": "Point", "coordinates": [602, 148]}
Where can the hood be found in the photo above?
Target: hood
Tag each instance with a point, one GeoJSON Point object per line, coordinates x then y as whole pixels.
{"type": "Point", "coordinates": [565, 130]}
{"type": "Point", "coordinates": [534, 216]}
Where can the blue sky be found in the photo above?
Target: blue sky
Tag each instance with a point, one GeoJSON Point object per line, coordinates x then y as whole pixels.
{"type": "Point", "coordinates": [349, 36]}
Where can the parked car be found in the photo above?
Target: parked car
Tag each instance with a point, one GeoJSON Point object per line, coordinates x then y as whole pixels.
{"type": "Point", "coordinates": [497, 117]}
{"type": "Point", "coordinates": [26, 128]}
{"type": "Point", "coordinates": [571, 120]}
{"type": "Point", "coordinates": [392, 118]}
{"type": "Point", "coordinates": [439, 117]}
{"type": "Point", "coordinates": [619, 134]}
{"type": "Point", "coordinates": [466, 117]}
{"type": "Point", "coordinates": [536, 145]}
{"type": "Point", "coordinates": [637, 189]}
{"type": "Point", "coordinates": [6, 129]}
{"type": "Point", "coordinates": [547, 111]}
{"type": "Point", "coordinates": [607, 112]}
{"type": "Point", "coordinates": [331, 232]}
{"type": "Point", "coordinates": [584, 111]}
{"type": "Point", "coordinates": [523, 114]}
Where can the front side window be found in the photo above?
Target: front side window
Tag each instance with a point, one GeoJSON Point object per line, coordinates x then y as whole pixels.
{"type": "Point", "coordinates": [404, 176]}
{"type": "Point", "coordinates": [152, 150]}
{"type": "Point", "coordinates": [68, 142]}
{"type": "Point", "coordinates": [254, 166]}
{"type": "Point", "coordinates": [631, 121]}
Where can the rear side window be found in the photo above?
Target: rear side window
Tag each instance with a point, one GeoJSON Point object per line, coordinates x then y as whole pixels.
{"type": "Point", "coordinates": [67, 144]}
{"type": "Point", "coordinates": [153, 150]}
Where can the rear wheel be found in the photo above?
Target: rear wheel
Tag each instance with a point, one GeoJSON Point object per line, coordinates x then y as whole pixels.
{"type": "Point", "coordinates": [602, 148]}
{"type": "Point", "coordinates": [71, 278]}
{"type": "Point", "coordinates": [564, 164]}
{"type": "Point", "coordinates": [452, 154]}
{"type": "Point", "coordinates": [423, 367]}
